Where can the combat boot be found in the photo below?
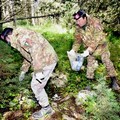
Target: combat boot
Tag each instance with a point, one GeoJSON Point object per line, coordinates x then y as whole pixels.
{"type": "Point", "coordinates": [42, 113]}
{"type": "Point", "coordinates": [114, 84]}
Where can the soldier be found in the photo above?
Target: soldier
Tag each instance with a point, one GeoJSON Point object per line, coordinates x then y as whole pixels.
{"type": "Point", "coordinates": [39, 54]}
{"type": "Point", "coordinates": [89, 32]}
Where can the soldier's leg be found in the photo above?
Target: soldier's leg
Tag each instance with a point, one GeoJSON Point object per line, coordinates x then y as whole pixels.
{"type": "Point", "coordinates": [110, 69]}
{"type": "Point", "coordinates": [91, 66]}
{"type": "Point", "coordinates": [40, 93]}
{"type": "Point", "coordinates": [105, 57]}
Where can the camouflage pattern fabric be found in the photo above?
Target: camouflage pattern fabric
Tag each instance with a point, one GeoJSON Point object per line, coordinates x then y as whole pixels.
{"type": "Point", "coordinates": [92, 35]}
{"type": "Point", "coordinates": [91, 67]}
{"type": "Point", "coordinates": [36, 50]}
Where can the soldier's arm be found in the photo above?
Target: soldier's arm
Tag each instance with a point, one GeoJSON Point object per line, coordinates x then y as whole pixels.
{"type": "Point", "coordinates": [77, 42]}
{"type": "Point", "coordinates": [98, 36]}
{"type": "Point", "coordinates": [25, 66]}
{"type": "Point", "coordinates": [24, 69]}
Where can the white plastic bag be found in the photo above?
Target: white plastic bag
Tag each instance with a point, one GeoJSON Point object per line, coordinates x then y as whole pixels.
{"type": "Point", "coordinates": [76, 60]}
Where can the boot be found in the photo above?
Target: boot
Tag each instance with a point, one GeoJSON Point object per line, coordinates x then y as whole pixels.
{"type": "Point", "coordinates": [43, 112]}
{"type": "Point", "coordinates": [114, 84]}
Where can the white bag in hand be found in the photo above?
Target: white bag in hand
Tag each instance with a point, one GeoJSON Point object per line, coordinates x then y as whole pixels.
{"type": "Point", "coordinates": [76, 60]}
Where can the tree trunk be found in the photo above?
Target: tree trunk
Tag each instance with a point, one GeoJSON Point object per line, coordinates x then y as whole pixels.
{"type": "Point", "coordinates": [28, 10]}
{"type": "Point", "coordinates": [13, 12]}
{"type": "Point", "coordinates": [0, 15]}
{"type": "Point", "coordinates": [34, 8]}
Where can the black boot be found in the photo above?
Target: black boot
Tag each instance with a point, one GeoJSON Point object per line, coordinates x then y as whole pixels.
{"type": "Point", "coordinates": [114, 84]}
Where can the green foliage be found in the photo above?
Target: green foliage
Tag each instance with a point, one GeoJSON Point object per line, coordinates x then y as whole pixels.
{"type": "Point", "coordinates": [114, 49]}
{"type": "Point", "coordinates": [22, 22]}
{"type": "Point", "coordinates": [10, 88]}
{"type": "Point", "coordinates": [9, 57]}
{"type": "Point", "coordinates": [27, 114]}
{"type": "Point", "coordinates": [102, 106]}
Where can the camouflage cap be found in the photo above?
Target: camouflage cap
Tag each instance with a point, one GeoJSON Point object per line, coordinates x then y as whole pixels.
{"type": "Point", "coordinates": [79, 14]}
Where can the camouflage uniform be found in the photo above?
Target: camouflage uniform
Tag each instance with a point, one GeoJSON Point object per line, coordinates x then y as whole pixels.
{"type": "Point", "coordinates": [92, 35]}
{"type": "Point", "coordinates": [39, 54]}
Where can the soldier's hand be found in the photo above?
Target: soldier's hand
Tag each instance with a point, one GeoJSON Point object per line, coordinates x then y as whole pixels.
{"type": "Point", "coordinates": [22, 76]}
{"type": "Point", "coordinates": [85, 53]}
{"type": "Point", "coordinates": [71, 51]}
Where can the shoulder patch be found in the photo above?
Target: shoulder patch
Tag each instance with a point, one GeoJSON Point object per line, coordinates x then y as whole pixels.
{"type": "Point", "coordinates": [28, 42]}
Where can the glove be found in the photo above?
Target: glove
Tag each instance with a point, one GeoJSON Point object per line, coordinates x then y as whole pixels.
{"type": "Point", "coordinates": [71, 52]}
{"type": "Point", "coordinates": [39, 77]}
{"type": "Point", "coordinates": [71, 55]}
{"type": "Point", "coordinates": [22, 76]}
{"type": "Point", "coordinates": [85, 53]}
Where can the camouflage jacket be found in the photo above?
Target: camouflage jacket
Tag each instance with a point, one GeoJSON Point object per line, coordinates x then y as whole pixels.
{"type": "Point", "coordinates": [36, 50]}
{"type": "Point", "coordinates": [91, 35]}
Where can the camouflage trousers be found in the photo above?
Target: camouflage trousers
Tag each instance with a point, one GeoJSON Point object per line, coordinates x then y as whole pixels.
{"type": "Point", "coordinates": [38, 88]}
{"type": "Point", "coordinates": [91, 65]}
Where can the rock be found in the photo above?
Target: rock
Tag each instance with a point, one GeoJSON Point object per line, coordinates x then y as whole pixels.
{"type": "Point", "coordinates": [59, 80]}
{"type": "Point", "coordinates": [66, 117]}
{"type": "Point", "coordinates": [83, 95]}
{"type": "Point", "coordinates": [56, 97]}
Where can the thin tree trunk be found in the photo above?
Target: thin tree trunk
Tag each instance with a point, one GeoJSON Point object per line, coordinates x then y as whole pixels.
{"type": "Point", "coordinates": [13, 12]}
{"type": "Point", "coordinates": [34, 8]}
{"type": "Point", "coordinates": [1, 15]}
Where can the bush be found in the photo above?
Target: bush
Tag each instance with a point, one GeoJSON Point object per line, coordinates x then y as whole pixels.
{"type": "Point", "coordinates": [104, 105]}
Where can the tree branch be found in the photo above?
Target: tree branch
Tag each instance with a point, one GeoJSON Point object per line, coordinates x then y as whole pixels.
{"type": "Point", "coordinates": [52, 15]}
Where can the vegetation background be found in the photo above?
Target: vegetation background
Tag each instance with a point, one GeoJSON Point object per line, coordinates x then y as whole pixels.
{"type": "Point", "coordinates": [53, 19]}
